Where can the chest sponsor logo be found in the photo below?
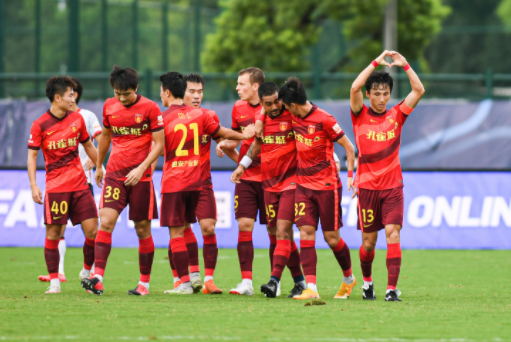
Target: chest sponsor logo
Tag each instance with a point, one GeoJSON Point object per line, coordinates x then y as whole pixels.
{"type": "Point", "coordinates": [312, 129]}
{"type": "Point", "coordinates": [381, 136]}
{"type": "Point", "coordinates": [283, 126]}
{"type": "Point", "coordinates": [138, 118]}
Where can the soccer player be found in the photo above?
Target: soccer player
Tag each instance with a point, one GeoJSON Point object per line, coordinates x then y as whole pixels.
{"type": "Point", "coordinates": [379, 179]}
{"type": "Point", "coordinates": [58, 132]}
{"type": "Point", "coordinates": [132, 122]}
{"type": "Point", "coordinates": [319, 189]}
{"type": "Point", "coordinates": [181, 181]}
{"type": "Point", "coordinates": [278, 166]}
{"type": "Point", "coordinates": [248, 193]}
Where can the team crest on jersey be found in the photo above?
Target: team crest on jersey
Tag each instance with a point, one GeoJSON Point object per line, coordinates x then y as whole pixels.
{"type": "Point", "coordinates": [73, 128]}
{"type": "Point", "coordinates": [312, 129]}
{"type": "Point", "coordinates": [138, 118]}
{"type": "Point", "coordinates": [391, 120]}
{"type": "Point", "coordinates": [283, 126]}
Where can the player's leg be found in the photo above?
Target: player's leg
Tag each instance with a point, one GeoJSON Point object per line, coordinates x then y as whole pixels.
{"type": "Point", "coordinates": [62, 249]}
{"type": "Point", "coordinates": [180, 260]}
{"type": "Point", "coordinates": [51, 256]}
{"type": "Point", "coordinates": [193, 258]}
{"type": "Point", "coordinates": [177, 280]}
{"type": "Point", "coordinates": [210, 254]}
{"type": "Point", "coordinates": [90, 230]}
{"type": "Point", "coordinates": [272, 235]}
{"type": "Point", "coordinates": [366, 253]}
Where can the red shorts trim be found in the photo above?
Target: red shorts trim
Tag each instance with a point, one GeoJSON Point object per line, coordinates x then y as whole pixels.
{"type": "Point", "coordinates": [206, 208]}
{"type": "Point", "coordinates": [378, 208]}
{"type": "Point", "coordinates": [248, 199]}
{"type": "Point", "coordinates": [141, 199]}
{"type": "Point", "coordinates": [279, 206]}
{"type": "Point", "coordinates": [314, 205]}
{"type": "Point", "coordinates": [178, 208]}
{"type": "Point", "coordinates": [76, 205]}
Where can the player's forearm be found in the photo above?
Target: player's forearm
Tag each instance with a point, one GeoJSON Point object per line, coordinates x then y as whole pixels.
{"type": "Point", "coordinates": [32, 166]}
{"type": "Point", "coordinates": [230, 135]}
{"type": "Point", "coordinates": [91, 151]}
{"type": "Point", "coordinates": [415, 82]}
{"type": "Point", "coordinates": [254, 149]}
{"type": "Point", "coordinates": [155, 152]}
{"type": "Point", "coordinates": [104, 145]}
{"type": "Point", "coordinates": [98, 138]}
{"type": "Point", "coordinates": [359, 82]}
{"type": "Point", "coordinates": [232, 154]}
{"type": "Point", "coordinates": [350, 151]}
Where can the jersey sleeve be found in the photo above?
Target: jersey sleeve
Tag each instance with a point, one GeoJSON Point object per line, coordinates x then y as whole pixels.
{"type": "Point", "coordinates": [210, 125]}
{"type": "Point", "coordinates": [84, 135]}
{"type": "Point", "coordinates": [105, 117]}
{"type": "Point", "coordinates": [156, 118]}
{"type": "Point", "coordinates": [36, 139]}
{"type": "Point", "coordinates": [332, 128]}
{"type": "Point", "coordinates": [217, 120]}
{"type": "Point", "coordinates": [356, 116]}
{"type": "Point", "coordinates": [234, 124]}
{"type": "Point", "coordinates": [404, 110]}
{"type": "Point", "coordinates": [95, 127]}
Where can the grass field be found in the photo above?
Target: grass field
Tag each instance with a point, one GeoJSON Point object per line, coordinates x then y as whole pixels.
{"type": "Point", "coordinates": [447, 296]}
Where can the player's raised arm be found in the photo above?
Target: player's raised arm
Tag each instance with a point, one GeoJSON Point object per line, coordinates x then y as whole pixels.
{"type": "Point", "coordinates": [417, 88]}
{"type": "Point", "coordinates": [252, 153]}
{"type": "Point", "coordinates": [103, 146]}
{"type": "Point", "coordinates": [350, 155]}
{"type": "Point", "coordinates": [356, 96]}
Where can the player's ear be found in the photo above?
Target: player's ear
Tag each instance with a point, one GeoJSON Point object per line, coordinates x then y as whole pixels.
{"type": "Point", "coordinates": [136, 88]}
{"type": "Point", "coordinates": [367, 94]}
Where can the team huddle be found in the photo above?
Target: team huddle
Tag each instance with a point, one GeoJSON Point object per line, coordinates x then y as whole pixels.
{"type": "Point", "coordinates": [287, 174]}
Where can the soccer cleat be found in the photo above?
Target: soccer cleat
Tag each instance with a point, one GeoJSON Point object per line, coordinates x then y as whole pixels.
{"type": "Point", "coordinates": [62, 278]}
{"type": "Point", "coordinates": [180, 290]}
{"type": "Point", "coordinates": [345, 289]}
{"type": "Point", "coordinates": [307, 294]}
{"type": "Point", "coordinates": [211, 288]}
{"type": "Point", "coordinates": [296, 291]}
{"type": "Point", "coordinates": [368, 292]}
{"type": "Point", "coordinates": [94, 285]}
{"type": "Point", "coordinates": [196, 282]}
{"type": "Point", "coordinates": [270, 289]}
{"type": "Point", "coordinates": [177, 284]}
{"type": "Point", "coordinates": [140, 290]}
{"type": "Point", "coordinates": [84, 274]}
{"type": "Point", "coordinates": [243, 289]}
{"type": "Point", "coordinates": [53, 289]}
{"type": "Point", "coordinates": [392, 296]}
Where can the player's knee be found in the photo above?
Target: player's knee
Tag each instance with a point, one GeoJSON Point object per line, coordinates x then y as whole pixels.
{"type": "Point", "coordinates": [392, 232]}
{"type": "Point", "coordinates": [208, 229]}
{"type": "Point", "coordinates": [245, 225]}
{"type": "Point", "coordinates": [52, 235]}
{"type": "Point", "coordinates": [368, 245]}
{"type": "Point", "coordinates": [107, 224]}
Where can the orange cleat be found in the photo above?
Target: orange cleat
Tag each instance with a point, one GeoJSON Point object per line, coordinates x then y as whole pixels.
{"type": "Point", "coordinates": [44, 278]}
{"type": "Point", "coordinates": [177, 284]}
{"type": "Point", "coordinates": [345, 289]}
{"type": "Point", "coordinates": [211, 288]}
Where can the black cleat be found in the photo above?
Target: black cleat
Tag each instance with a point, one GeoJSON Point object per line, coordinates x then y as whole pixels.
{"type": "Point", "coordinates": [392, 296]}
{"type": "Point", "coordinates": [140, 290]}
{"type": "Point", "coordinates": [296, 291]}
{"type": "Point", "coordinates": [93, 285]}
{"type": "Point", "coordinates": [270, 289]}
{"type": "Point", "coordinates": [368, 293]}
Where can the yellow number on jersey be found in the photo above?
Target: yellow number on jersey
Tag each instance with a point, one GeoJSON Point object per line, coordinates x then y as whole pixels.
{"type": "Point", "coordinates": [195, 128]}
{"type": "Point", "coordinates": [370, 214]}
{"type": "Point", "coordinates": [300, 206]}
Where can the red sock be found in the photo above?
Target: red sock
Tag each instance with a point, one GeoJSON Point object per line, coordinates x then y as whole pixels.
{"type": "Point", "coordinates": [393, 264]}
{"type": "Point", "coordinates": [281, 257]}
{"type": "Point", "coordinates": [102, 251]}
{"type": "Point", "coordinates": [88, 253]}
{"type": "Point", "coordinates": [342, 254]}
{"type": "Point", "coordinates": [294, 261]}
{"type": "Point", "coordinates": [145, 258]}
{"type": "Point", "coordinates": [174, 272]}
{"type": "Point", "coordinates": [193, 250]}
{"type": "Point", "coordinates": [245, 254]}
{"type": "Point", "coordinates": [52, 257]}
{"type": "Point", "coordinates": [180, 258]}
{"type": "Point", "coordinates": [366, 263]}
{"type": "Point", "coordinates": [210, 254]}
{"type": "Point", "coordinates": [309, 260]}
{"type": "Point", "coordinates": [273, 245]}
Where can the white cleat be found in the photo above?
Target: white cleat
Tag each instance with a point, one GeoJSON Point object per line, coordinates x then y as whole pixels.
{"type": "Point", "coordinates": [243, 289]}
{"type": "Point", "coordinates": [84, 274]}
{"type": "Point", "coordinates": [196, 282]}
{"type": "Point", "coordinates": [53, 289]}
{"type": "Point", "coordinates": [180, 290]}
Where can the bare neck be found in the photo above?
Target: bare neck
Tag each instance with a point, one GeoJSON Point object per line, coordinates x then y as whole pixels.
{"type": "Point", "coordinates": [305, 109]}
{"type": "Point", "coordinates": [58, 112]}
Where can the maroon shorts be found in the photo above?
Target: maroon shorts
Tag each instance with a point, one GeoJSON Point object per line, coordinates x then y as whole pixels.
{"type": "Point", "coordinates": [279, 206]}
{"type": "Point", "coordinates": [140, 197]}
{"type": "Point", "coordinates": [313, 205]}
{"type": "Point", "coordinates": [206, 208]}
{"type": "Point", "coordinates": [178, 208]}
{"type": "Point", "coordinates": [378, 208]}
{"type": "Point", "coordinates": [248, 199]}
{"type": "Point", "coordinates": [77, 206]}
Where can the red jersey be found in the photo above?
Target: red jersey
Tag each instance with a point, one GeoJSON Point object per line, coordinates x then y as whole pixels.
{"type": "Point", "coordinates": [59, 139]}
{"type": "Point", "coordinates": [184, 126]}
{"type": "Point", "coordinates": [378, 137]}
{"type": "Point", "coordinates": [278, 153]}
{"type": "Point", "coordinates": [315, 136]}
{"type": "Point", "coordinates": [205, 154]}
{"type": "Point", "coordinates": [131, 135]}
{"type": "Point", "coordinates": [243, 114]}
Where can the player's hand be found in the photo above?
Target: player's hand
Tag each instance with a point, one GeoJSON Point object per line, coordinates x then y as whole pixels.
{"type": "Point", "coordinates": [381, 59]}
{"type": "Point", "coordinates": [249, 131]}
{"type": "Point", "coordinates": [99, 176]}
{"type": "Point", "coordinates": [134, 177]}
{"type": "Point", "coordinates": [37, 195]}
{"type": "Point", "coordinates": [398, 59]}
{"type": "Point", "coordinates": [350, 186]}
{"type": "Point", "coordinates": [219, 149]}
{"type": "Point", "coordinates": [236, 175]}
{"type": "Point", "coordinates": [89, 165]}
{"type": "Point", "coordinates": [259, 128]}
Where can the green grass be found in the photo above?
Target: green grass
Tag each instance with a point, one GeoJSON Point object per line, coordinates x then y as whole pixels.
{"type": "Point", "coordinates": [446, 295]}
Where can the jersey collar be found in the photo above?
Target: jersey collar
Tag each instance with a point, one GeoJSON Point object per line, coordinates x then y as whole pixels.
{"type": "Point", "coordinates": [371, 112]}
{"type": "Point", "coordinates": [313, 109]}
{"type": "Point", "coordinates": [56, 118]}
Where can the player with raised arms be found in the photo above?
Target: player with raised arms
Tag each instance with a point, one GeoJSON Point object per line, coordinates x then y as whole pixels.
{"type": "Point", "coordinates": [132, 122]}
{"type": "Point", "coordinates": [181, 187]}
{"type": "Point", "coordinates": [379, 179]}
{"type": "Point", "coordinates": [58, 132]}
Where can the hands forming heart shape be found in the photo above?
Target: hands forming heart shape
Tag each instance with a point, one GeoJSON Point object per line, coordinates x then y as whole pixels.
{"type": "Point", "coordinates": [398, 59]}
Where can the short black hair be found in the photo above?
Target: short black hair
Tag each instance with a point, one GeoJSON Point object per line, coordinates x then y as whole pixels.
{"type": "Point", "coordinates": [256, 75]}
{"type": "Point", "coordinates": [123, 79]}
{"type": "Point", "coordinates": [58, 85]}
{"type": "Point", "coordinates": [194, 78]}
{"type": "Point", "coordinates": [377, 79]}
{"type": "Point", "coordinates": [78, 89]}
{"type": "Point", "coordinates": [267, 89]}
{"type": "Point", "coordinates": [293, 91]}
{"type": "Point", "coordinates": [175, 82]}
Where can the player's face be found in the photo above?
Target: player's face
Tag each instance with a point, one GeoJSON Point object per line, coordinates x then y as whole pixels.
{"type": "Point", "coordinates": [379, 97]}
{"type": "Point", "coordinates": [272, 104]}
{"type": "Point", "coordinates": [66, 101]}
{"type": "Point", "coordinates": [193, 94]}
{"type": "Point", "coordinates": [164, 95]}
{"type": "Point", "coordinates": [245, 89]}
{"type": "Point", "coordinates": [292, 108]}
{"type": "Point", "coordinates": [126, 97]}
